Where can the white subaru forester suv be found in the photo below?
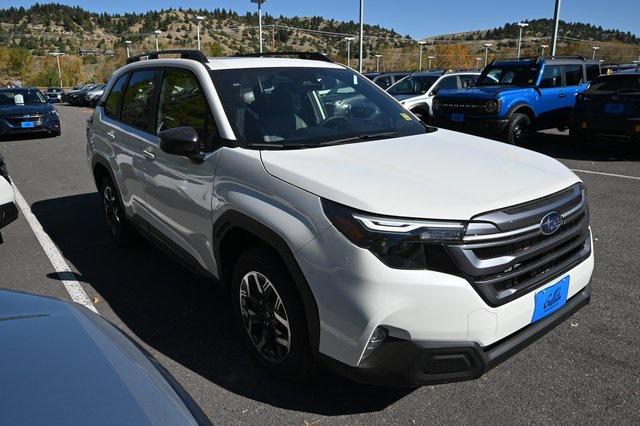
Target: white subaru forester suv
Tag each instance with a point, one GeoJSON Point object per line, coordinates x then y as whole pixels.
{"type": "Point", "coordinates": [346, 231]}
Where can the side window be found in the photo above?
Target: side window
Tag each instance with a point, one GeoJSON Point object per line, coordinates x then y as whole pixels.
{"type": "Point", "coordinates": [551, 76]}
{"type": "Point", "coordinates": [182, 103]}
{"type": "Point", "coordinates": [446, 83]}
{"type": "Point", "coordinates": [113, 101]}
{"type": "Point", "coordinates": [384, 82]}
{"type": "Point", "coordinates": [468, 81]}
{"type": "Point", "coordinates": [573, 74]}
{"type": "Point", "coordinates": [137, 108]}
{"type": "Point", "coordinates": [593, 71]}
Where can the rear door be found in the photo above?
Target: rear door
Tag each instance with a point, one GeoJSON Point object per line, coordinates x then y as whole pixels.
{"type": "Point", "coordinates": [552, 97]}
{"type": "Point", "coordinates": [179, 190]}
{"type": "Point", "coordinates": [133, 135]}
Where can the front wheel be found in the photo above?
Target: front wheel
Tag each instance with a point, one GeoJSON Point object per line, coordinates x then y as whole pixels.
{"type": "Point", "coordinates": [270, 315]}
{"type": "Point", "coordinates": [518, 129]}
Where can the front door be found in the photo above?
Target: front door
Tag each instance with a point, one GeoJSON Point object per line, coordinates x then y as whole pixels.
{"type": "Point", "coordinates": [552, 99]}
{"type": "Point", "coordinates": [179, 190]}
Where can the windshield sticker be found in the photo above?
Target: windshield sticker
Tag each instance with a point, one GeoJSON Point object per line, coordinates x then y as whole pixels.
{"type": "Point", "coordinates": [405, 116]}
{"type": "Point", "coordinates": [18, 99]}
{"type": "Point", "coordinates": [355, 80]}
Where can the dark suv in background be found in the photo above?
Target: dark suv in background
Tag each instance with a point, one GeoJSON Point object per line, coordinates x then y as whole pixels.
{"type": "Point", "coordinates": [513, 98]}
{"type": "Point", "coordinates": [609, 108]}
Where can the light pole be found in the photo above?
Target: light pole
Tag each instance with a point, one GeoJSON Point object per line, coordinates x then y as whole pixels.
{"type": "Point", "coordinates": [259, 3]}
{"type": "Point", "coordinates": [378, 62]}
{"type": "Point", "coordinates": [57, 55]}
{"type": "Point", "coordinates": [430, 58]}
{"type": "Point", "coordinates": [478, 59]}
{"type": "Point", "coordinates": [421, 43]}
{"type": "Point", "coordinates": [198, 20]}
{"type": "Point", "coordinates": [361, 33]}
{"type": "Point", "coordinates": [486, 52]}
{"type": "Point", "coordinates": [128, 43]}
{"type": "Point", "coordinates": [157, 33]}
{"type": "Point", "coordinates": [521, 25]}
{"type": "Point", "coordinates": [556, 21]}
{"type": "Point", "coordinates": [595, 48]}
{"type": "Point", "coordinates": [349, 40]}
{"type": "Point", "coordinates": [543, 46]}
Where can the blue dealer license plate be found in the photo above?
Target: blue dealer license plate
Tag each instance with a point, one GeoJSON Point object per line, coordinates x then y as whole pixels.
{"type": "Point", "coordinates": [614, 108]}
{"type": "Point", "coordinates": [550, 299]}
{"type": "Point", "coordinates": [456, 116]}
{"type": "Point", "coordinates": [28, 124]}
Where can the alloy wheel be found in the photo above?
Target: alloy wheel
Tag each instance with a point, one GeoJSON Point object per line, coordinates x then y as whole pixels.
{"type": "Point", "coordinates": [111, 209]}
{"type": "Point", "coordinates": [264, 317]}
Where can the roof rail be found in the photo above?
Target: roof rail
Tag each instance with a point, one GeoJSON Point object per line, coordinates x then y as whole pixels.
{"type": "Point", "coordinates": [568, 57]}
{"type": "Point", "coordinates": [313, 56]}
{"type": "Point", "coordinates": [192, 54]}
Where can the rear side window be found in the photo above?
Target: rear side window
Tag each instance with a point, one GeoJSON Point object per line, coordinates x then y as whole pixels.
{"type": "Point", "coordinates": [615, 83]}
{"type": "Point", "coordinates": [182, 103]}
{"type": "Point", "coordinates": [551, 76]}
{"type": "Point", "coordinates": [593, 72]}
{"type": "Point", "coordinates": [137, 107]}
{"type": "Point", "coordinates": [468, 81]}
{"type": "Point", "coordinates": [112, 103]}
{"type": "Point", "coordinates": [447, 83]}
{"type": "Point", "coordinates": [573, 74]}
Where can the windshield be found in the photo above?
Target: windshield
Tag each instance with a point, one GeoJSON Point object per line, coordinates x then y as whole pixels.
{"type": "Point", "coordinates": [616, 83]}
{"type": "Point", "coordinates": [306, 107]}
{"type": "Point", "coordinates": [510, 74]}
{"type": "Point", "coordinates": [21, 97]}
{"type": "Point", "coordinates": [413, 85]}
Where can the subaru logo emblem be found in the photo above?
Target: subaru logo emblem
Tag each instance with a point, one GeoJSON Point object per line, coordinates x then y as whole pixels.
{"type": "Point", "coordinates": [550, 223]}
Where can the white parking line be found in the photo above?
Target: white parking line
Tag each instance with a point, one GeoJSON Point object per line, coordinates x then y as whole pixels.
{"type": "Point", "coordinates": [65, 273]}
{"type": "Point", "coordinates": [606, 174]}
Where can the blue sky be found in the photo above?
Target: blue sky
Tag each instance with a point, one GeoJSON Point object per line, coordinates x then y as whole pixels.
{"type": "Point", "coordinates": [417, 18]}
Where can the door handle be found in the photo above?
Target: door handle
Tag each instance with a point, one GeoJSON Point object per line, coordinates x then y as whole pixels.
{"type": "Point", "coordinates": [149, 154]}
{"type": "Point", "coordinates": [111, 134]}
{"type": "Point", "coordinates": [562, 95]}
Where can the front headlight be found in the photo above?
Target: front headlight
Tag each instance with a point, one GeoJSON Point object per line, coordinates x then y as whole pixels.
{"type": "Point", "coordinates": [491, 106]}
{"type": "Point", "coordinates": [399, 243]}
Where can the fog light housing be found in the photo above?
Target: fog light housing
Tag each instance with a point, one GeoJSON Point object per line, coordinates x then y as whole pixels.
{"type": "Point", "coordinates": [376, 339]}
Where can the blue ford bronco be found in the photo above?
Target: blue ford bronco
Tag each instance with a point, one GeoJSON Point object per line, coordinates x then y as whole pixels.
{"type": "Point", "coordinates": [513, 98]}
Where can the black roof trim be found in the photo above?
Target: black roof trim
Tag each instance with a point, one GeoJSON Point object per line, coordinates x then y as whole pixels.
{"type": "Point", "coordinates": [192, 54]}
{"type": "Point", "coordinates": [313, 56]}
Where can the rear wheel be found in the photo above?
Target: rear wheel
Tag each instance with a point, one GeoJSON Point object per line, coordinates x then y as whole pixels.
{"type": "Point", "coordinates": [518, 129]}
{"type": "Point", "coordinates": [119, 227]}
{"type": "Point", "coordinates": [270, 315]}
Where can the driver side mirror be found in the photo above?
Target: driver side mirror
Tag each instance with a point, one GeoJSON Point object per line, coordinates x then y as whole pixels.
{"type": "Point", "coordinates": [182, 141]}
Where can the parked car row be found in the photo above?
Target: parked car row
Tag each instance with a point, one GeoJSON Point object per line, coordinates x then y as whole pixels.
{"type": "Point", "coordinates": [87, 95]}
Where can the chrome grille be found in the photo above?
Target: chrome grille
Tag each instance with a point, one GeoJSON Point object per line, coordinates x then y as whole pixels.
{"type": "Point", "coordinates": [507, 264]}
{"type": "Point", "coordinates": [16, 120]}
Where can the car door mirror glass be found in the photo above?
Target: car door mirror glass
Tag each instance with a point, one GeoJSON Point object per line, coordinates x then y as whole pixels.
{"type": "Point", "coordinates": [181, 141]}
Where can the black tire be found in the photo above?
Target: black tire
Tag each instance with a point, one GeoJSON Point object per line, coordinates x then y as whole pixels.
{"type": "Point", "coordinates": [118, 225]}
{"type": "Point", "coordinates": [518, 129]}
{"type": "Point", "coordinates": [296, 362]}
{"type": "Point", "coordinates": [55, 133]}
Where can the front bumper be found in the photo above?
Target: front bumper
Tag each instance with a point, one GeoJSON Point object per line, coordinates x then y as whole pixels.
{"type": "Point", "coordinates": [48, 124]}
{"type": "Point", "coordinates": [401, 363]}
{"type": "Point", "coordinates": [483, 126]}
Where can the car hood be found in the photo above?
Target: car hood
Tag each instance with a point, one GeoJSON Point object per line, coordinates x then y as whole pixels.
{"type": "Point", "coordinates": [25, 109]}
{"type": "Point", "coordinates": [54, 353]}
{"type": "Point", "coordinates": [440, 175]}
{"type": "Point", "coordinates": [480, 92]}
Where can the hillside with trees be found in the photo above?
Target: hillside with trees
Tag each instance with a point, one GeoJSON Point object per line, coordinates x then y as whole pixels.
{"type": "Point", "coordinates": [94, 46]}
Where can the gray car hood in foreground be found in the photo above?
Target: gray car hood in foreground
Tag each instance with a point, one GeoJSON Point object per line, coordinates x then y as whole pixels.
{"type": "Point", "coordinates": [61, 364]}
{"type": "Point", "coordinates": [438, 175]}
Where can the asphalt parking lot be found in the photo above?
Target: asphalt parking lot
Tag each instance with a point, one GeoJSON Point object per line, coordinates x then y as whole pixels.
{"type": "Point", "coordinates": [585, 371]}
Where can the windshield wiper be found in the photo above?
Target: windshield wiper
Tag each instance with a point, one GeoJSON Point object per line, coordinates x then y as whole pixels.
{"type": "Point", "coordinates": [360, 138]}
